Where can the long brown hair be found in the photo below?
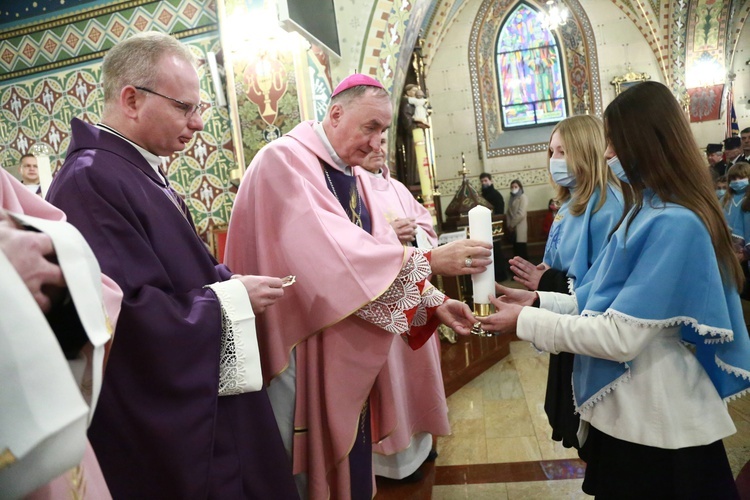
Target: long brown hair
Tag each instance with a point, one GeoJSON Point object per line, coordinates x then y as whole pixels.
{"type": "Point", "coordinates": [647, 129]}
{"type": "Point", "coordinates": [583, 140]}
{"type": "Point", "coordinates": [740, 170]}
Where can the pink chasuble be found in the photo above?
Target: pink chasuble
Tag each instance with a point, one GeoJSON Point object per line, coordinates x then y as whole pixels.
{"type": "Point", "coordinates": [286, 221]}
{"type": "Point", "coordinates": [416, 379]}
{"type": "Point", "coordinates": [86, 480]}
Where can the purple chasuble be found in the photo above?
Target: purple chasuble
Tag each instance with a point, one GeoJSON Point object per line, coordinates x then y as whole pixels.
{"type": "Point", "coordinates": [160, 430]}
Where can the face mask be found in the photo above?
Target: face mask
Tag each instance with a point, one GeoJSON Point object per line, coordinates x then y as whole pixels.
{"type": "Point", "coordinates": [558, 168]}
{"type": "Point", "coordinates": [739, 186]}
{"type": "Point", "coordinates": [721, 192]}
{"type": "Point", "coordinates": [514, 191]}
{"type": "Point", "coordinates": [616, 166]}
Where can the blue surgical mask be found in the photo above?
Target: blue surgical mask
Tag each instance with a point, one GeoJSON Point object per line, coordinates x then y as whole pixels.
{"type": "Point", "coordinates": [558, 168]}
{"type": "Point", "coordinates": [739, 185]}
{"type": "Point", "coordinates": [616, 166]}
{"type": "Point", "coordinates": [721, 192]}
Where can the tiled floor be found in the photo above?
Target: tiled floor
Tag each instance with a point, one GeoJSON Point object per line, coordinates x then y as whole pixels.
{"type": "Point", "coordinates": [500, 446]}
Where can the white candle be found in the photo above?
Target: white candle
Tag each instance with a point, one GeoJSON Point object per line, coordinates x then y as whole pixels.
{"type": "Point", "coordinates": [45, 172]}
{"type": "Point", "coordinates": [480, 229]}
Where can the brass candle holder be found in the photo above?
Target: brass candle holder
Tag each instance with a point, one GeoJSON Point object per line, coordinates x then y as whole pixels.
{"type": "Point", "coordinates": [482, 311]}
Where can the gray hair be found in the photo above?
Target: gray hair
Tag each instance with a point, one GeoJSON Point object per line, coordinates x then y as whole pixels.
{"type": "Point", "coordinates": [355, 93]}
{"type": "Point", "coordinates": [132, 61]}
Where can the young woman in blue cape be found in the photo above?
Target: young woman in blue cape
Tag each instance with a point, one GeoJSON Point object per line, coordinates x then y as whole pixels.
{"type": "Point", "coordinates": [656, 323]}
{"type": "Point", "coordinates": [736, 201]}
{"type": "Point", "coordinates": [736, 205]}
{"type": "Point", "coordinates": [591, 207]}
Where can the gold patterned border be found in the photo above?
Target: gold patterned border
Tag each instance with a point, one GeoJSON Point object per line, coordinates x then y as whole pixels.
{"type": "Point", "coordinates": [96, 55]}
{"type": "Point", "coordinates": [84, 15]}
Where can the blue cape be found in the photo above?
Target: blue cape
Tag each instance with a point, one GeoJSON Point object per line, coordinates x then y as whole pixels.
{"type": "Point", "coordinates": [575, 241]}
{"type": "Point", "coordinates": [664, 273]}
{"type": "Point", "coordinates": [738, 220]}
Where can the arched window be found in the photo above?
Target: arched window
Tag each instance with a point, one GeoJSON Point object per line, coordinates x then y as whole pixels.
{"type": "Point", "coordinates": [529, 71]}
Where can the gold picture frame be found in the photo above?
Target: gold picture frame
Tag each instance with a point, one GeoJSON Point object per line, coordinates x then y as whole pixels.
{"type": "Point", "coordinates": [628, 80]}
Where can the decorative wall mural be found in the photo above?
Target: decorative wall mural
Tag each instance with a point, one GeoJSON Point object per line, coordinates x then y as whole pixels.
{"type": "Point", "coordinates": [36, 105]}
{"type": "Point", "coordinates": [79, 37]}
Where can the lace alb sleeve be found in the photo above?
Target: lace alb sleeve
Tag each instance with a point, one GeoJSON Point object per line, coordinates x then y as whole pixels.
{"type": "Point", "coordinates": [393, 310]}
{"type": "Point", "coordinates": [239, 364]}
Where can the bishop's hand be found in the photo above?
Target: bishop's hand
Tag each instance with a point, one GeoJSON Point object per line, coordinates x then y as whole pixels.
{"type": "Point", "coordinates": [455, 315]}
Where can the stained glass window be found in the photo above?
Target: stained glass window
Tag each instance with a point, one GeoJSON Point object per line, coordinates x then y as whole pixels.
{"type": "Point", "coordinates": [529, 71]}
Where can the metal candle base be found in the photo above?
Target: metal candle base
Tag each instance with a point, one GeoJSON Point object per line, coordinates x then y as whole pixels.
{"type": "Point", "coordinates": [482, 311]}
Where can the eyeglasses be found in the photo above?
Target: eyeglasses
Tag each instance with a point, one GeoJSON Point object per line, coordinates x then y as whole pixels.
{"type": "Point", "coordinates": [189, 109]}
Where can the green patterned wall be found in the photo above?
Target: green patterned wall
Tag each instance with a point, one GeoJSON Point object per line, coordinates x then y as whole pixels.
{"type": "Point", "coordinates": [46, 79]}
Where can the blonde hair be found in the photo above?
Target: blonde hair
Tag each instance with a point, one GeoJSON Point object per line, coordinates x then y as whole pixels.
{"type": "Point", "coordinates": [133, 62]}
{"type": "Point", "coordinates": [740, 170]}
{"type": "Point", "coordinates": [583, 140]}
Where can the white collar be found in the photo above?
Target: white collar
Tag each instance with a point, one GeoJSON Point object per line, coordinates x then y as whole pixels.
{"type": "Point", "coordinates": [155, 161]}
{"type": "Point", "coordinates": [339, 163]}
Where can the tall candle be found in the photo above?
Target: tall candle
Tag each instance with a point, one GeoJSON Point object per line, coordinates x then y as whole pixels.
{"type": "Point", "coordinates": [480, 228]}
{"type": "Point", "coordinates": [45, 172]}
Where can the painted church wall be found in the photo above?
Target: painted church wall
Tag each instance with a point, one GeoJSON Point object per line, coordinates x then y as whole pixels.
{"type": "Point", "coordinates": [454, 125]}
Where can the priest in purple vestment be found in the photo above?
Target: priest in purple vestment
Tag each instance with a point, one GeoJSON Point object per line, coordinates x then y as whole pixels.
{"type": "Point", "coordinates": [161, 430]}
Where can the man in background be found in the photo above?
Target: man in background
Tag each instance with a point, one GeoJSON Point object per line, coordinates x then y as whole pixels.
{"type": "Point", "coordinates": [732, 150]}
{"type": "Point", "coordinates": [30, 173]}
{"type": "Point", "coordinates": [491, 194]}
{"type": "Point", "coordinates": [745, 138]}
{"type": "Point", "coordinates": [716, 164]}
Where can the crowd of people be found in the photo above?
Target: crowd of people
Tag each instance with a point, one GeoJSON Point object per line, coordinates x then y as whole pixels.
{"type": "Point", "coordinates": [308, 363]}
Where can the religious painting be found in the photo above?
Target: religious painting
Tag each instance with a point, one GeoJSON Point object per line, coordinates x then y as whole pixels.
{"type": "Point", "coordinates": [628, 80]}
{"type": "Point", "coordinates": [529, 71]}
{"type": "Point", "coordinates": [705, 103]}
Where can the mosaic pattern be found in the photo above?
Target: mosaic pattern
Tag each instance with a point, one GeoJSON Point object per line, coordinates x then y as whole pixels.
{"type": "Point", "coordinates": [40, 109]}
{"type": "Point", "coordinates": [84, 36]}
{"type": "Point", "coordinates": [15, 13]}
{"type": "Point", "coordinates": [581, 68]}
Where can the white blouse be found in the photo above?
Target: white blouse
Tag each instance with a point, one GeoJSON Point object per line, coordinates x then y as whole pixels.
{"type": "Point", "coordinates": [668, 401]}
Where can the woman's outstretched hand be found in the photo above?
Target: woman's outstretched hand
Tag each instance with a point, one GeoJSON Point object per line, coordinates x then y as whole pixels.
{"type": "Point", "coordinates": [527, 273]}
